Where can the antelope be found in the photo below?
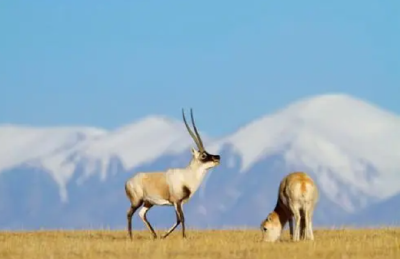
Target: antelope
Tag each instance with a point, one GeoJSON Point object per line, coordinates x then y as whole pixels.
{"type": "Point", "coordinates": [172, 187]}
{"type": "Point", "coordinates": [297, 198]}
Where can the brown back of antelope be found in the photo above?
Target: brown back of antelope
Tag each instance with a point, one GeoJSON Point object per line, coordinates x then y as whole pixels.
{"type": "Point", "coordinates": [297, 197]}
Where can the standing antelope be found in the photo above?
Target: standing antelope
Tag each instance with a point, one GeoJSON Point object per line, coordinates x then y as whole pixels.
{"type": "Point", "coordinates": [297, 197]}
{"type": "Point", "coordinates": [172, 187]}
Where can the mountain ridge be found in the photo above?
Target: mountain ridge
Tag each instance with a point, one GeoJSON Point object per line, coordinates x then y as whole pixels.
{"type": "Point", "coordinates": [340, 140]}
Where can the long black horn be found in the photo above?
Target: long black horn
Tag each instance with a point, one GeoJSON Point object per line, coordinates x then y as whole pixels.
{"type": "Point", "coordinates": [197, 133]}
{"type": "Point", "coordinates": [190, 131]}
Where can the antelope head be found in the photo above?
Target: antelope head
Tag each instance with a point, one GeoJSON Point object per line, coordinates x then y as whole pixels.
{"type": "Point", "coordinates": [271, 228]}
{"type": "Point", "coordinates": [201, 156]}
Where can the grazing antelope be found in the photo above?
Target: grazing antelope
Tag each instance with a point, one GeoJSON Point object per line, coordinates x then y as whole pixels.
{"type": "Point", "coordinates": [172, 187]}
{"type": "Point", "coordinates": [297, 197]}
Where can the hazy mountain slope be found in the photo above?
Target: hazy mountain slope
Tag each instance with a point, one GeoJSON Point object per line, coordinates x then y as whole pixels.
{"type": "Point", "coordinates": [28, 199]}
{"type": "Point", "coordinates": [386, 212]}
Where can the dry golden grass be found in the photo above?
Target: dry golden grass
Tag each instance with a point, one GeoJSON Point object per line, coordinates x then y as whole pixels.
{"type": "Point", "coordinates": [344, 244]}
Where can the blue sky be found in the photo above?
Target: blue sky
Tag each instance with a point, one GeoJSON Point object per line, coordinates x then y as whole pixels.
{"type": "Point", "coordinates": [108, 63]}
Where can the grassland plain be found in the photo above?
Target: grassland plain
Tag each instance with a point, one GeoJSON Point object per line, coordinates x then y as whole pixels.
{"type": "Point", "coordinates": [344, 243]}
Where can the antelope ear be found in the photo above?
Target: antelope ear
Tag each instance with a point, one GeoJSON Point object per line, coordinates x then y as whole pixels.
{"type": "Point", "coordinates": [195, 153]}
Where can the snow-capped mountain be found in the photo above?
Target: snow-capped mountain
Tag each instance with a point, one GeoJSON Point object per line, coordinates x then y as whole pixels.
{"type": "Point", "coordinates": [349, 146]}
{"type": "Point", "coordinates": [333, 136]}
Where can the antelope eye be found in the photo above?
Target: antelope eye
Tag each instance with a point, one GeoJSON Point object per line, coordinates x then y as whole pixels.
{"type": "Point", "coordinates": [203, 156]}
{"type": "Point", "coordinates": [265, 229]}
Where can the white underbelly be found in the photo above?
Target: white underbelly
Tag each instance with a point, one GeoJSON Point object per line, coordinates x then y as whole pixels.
{"type": "Point", "coordinates": [158, 201]}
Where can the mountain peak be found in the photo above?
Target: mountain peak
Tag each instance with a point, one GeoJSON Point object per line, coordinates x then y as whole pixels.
{"type": "Point", "coordinates": [22, 144]}
{"type": "Point", "coordinates": [334, 130]}
{"type": "Point", "coordinates": [333, 104]}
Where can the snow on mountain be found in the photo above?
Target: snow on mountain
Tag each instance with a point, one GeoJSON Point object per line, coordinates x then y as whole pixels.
{"type": "Point", "coordinates": [334, 136]}
{"type": "Point", "coordinates": [134, 144]}
{"type": "Point", "coordinates": [21, 144]}
{"type": "Point", "coordinates": [60, 150]}
{"type": "Point", "coordinates": [139, 143]}
{"type": "Point", "coordinates": [30, 146]}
